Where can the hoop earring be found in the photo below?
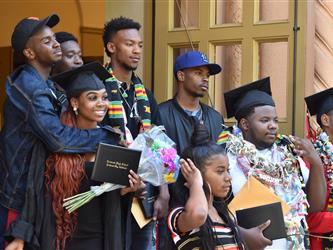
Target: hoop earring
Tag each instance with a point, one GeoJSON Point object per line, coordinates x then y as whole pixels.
{"type": "Point", "coordinates": [75, 111]}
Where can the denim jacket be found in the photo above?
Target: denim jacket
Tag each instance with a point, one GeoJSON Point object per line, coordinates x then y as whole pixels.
{"type": "Point", "coordinates": [32, 114]}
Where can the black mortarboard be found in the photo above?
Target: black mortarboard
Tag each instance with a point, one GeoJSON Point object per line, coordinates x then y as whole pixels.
{"type": "Point", "coordinates": [243, 99]}
{"type": "Point", "coordinates": [87, 77]}
{"type": "Point", "coordinates": [320, 103]}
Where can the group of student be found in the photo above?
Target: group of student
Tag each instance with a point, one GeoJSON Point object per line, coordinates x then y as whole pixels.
{"type": "Point", "coordinates": [58, 110]}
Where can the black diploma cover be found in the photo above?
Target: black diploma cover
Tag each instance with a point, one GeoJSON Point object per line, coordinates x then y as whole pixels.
{"type": "Point", "coordinates": [113, 164]}
{"type": "Point", "coordinates": [254, 216]}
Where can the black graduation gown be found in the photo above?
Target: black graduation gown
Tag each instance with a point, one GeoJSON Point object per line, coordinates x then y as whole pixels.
{"type": "Point", "coordinates": [37, 214]}
{"type": "Point", "coordinates": [179, 125]}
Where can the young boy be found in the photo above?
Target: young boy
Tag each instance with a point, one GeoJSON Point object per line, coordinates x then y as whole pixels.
{"type": "Point", "coordinates": [275, 165]}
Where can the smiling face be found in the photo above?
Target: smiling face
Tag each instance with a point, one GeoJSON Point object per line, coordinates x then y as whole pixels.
{"type": "Point", "coordinates": [43, 47]}
{"type": "Point", "coordinates": [216, 174]}
{"type": "Point", "coordinates": [194, 81]}
{"type": "Point", "coordinates": [92, 106]}
{"type": "Point", "coordinates": [261, 127]}
{"type": "Point", "coordinates": [126, 48]}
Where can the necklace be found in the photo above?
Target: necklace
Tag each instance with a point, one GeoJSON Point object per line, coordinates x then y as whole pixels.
{"type": "Point", "coordinates": [325, 150]}
{"type": "Point", "coordinates": [269, 172]}
{"type": "Point", "coordinates": [133, 110]}
{"type": "Point", "coordinates": [214, 215]}
{"type": "Point", "coordinates": [279, 171]}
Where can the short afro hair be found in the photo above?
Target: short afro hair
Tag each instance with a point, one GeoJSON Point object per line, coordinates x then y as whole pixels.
{"type": "Point", "coordinates": [113, 26]}
{"type": "Point", "coordinates": [63, 36]}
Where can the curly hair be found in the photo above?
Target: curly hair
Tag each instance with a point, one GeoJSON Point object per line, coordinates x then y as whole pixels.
{"type": "Point", "coordinates": [63, 175]}
{"type": "Point", "coordinates": [114, 25]}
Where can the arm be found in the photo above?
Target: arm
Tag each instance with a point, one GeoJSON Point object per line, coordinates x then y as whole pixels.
{"type": "Point", "coordinates": [196, 208]}
{"type": "Point", "coordinates": [46, 125]}
{"type": "Point", "coordinates": [316, 185]}
{"type": "Point", "coordinates": [16, 244]}
{"type": "Point", "coordinates": [161, 205]}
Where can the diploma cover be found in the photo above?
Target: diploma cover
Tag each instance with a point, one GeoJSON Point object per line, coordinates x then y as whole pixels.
{"type": "Point", "coordinates": [252, 217]}
{"type": "Point", "coordinates": [113, 164]}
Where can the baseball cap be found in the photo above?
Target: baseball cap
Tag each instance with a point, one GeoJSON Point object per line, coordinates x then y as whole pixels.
{"type": "Point", "coordinates": [194, 59]}
{"type": "Point", "coordinates": [87, 77]}
{"type": "Point", "coordinates": [27, 27]}
{"type": "Point", "coordinates": [240, 100]}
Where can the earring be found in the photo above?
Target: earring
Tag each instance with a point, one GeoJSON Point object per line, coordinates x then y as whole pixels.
{"type": "Point", "coordinates": [75, 111]}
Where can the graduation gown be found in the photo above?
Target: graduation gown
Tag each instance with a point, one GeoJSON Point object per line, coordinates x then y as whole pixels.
{"type": "Point", "coordinates": [179, 125]}
{"type": "Point", "coordinates": [37, 220]}
{"type": "Point", "coordinates": [321, 223]}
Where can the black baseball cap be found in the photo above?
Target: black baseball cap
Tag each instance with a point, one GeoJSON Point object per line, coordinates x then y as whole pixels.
{"type": "Point", "coordinates": [241, 100]}
{"type": "Point", "coordinates": [87, 77]}
{"type": "Point", "coordinates": [27, 27]}
{"type": "Point", "coordinates": [320, 103]}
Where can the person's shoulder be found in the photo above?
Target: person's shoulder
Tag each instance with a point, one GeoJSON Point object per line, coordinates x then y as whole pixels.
{"type": "Point", "coordinates": [149, 92]}
{"type": "Point", "coordinates": [166, 104]}
{"type": "Point", "coordinates": [27, 80]}
{"type": "Point", "coordinates": [209, 109]}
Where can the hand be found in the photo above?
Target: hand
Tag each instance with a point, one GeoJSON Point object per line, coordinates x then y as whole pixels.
{"type": "Point", "coordinates": [161, 207]}
{"type": "Point", "coordinates": [123, 143]}
{"type": "Point", "coordinates": [135, 184]}
{"type": "Point", "coordinates": [16, 244]}
{"type": "Point", "coordinates": [254, 237]}
{"type": "Point", "coordinates": [191, 173]}
{"type": "Point", "coordinates": [305, 149]}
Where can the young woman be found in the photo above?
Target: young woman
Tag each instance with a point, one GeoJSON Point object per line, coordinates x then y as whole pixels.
{"type": "Point", "coordinates": [97, 224]}
{"type": "Point", "coordinates": [200, 217]}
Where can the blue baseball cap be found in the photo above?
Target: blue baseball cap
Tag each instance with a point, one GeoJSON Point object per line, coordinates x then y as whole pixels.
{"type": "Point", "coordinates": [194, 59]}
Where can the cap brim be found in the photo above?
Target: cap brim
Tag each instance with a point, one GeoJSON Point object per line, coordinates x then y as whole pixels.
{"type": "Point", "coordinates": [63, 78]}
{"type": "Point", "coordinates": [232, 97]}
{"type": "Point", "coordinates": [213, 68]}
{"type": "Point", "coordinates": [316, 102]}
{"type": "Point", "coordinates": [49, 21]}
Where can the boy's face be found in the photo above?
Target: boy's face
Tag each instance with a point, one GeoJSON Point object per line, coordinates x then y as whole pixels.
{"type": "Point", "coordinates": [126, 48]}
{"type": "Point", "coordinates": [71, 57]}
{"type": "Point", "coordinates": [195, 80]}
{"type": "Point", "coordinates": [327, 123]}
{"type": "Point", "coordinates": [261, 127]}
{"type": "Point", "coordinates": [43, 47]}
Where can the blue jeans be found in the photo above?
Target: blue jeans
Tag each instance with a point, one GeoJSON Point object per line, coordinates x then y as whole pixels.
{"type": "Point", "coordinates": [3, 222]}
{"type": "Point", "coordinates": [142, 238]}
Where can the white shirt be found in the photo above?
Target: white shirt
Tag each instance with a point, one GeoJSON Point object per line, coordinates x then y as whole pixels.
{"type": "Point", "coordinates": [239, 179]}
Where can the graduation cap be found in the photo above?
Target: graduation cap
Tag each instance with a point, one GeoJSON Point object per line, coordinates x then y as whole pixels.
{"type": "Point", "coordinates": [243, 99]}
{"type": "Point", "coordinates": [320, 103]}
{"type": "Point", "coordinates": [87, 77]}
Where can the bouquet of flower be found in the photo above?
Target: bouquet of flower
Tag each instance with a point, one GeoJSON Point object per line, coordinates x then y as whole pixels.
{"type": "Point", "coordinates": [159, 164]}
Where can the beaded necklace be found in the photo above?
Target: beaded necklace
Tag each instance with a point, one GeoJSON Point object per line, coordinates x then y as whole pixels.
{"type": "Point", "coordinates": [324, 148]}
{"type": "Point", "coordinates": [281, 176]}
